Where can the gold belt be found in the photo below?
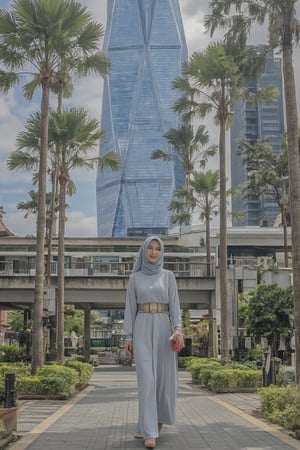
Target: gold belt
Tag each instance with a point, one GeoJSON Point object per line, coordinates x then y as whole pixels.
{"type": "Point", "coordinates": [153, 307]}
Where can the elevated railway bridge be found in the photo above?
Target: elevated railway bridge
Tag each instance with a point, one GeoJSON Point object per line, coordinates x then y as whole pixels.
{"type": "Point", "coordinates": [97, 272]}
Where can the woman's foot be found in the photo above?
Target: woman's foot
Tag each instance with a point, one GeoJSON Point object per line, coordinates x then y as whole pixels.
{"type": "Point", "coordinates": [138, 435]}
{"type": "Point", "coordinates": [150, 443]}
{"type": "Point", "coordinates": [160, 425]}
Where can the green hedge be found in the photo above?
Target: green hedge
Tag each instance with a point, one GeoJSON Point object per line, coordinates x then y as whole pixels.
{"type": "Point", "coordinates": [49, 380]}
{"type": "Point", "coordinates": [281, 405]}
{"type": "Point", "coordinates": [196, 366]}
{"type": "Point", "coordinates": [84, 370]}
{"type": "Point", "coordinates": [235, 379]}
{"type": "Point", "coordinates": [12, 353]}
{"type": "Point", "coordinates": [20, 370]}
{"type": "Point", "coordinates": [213, 374]}
{"type": "Point", "coordinates": [69, 377]}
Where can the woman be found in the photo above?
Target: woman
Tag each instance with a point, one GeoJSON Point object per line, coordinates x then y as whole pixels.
{"type": "Point", "coordinates": [152, 316]}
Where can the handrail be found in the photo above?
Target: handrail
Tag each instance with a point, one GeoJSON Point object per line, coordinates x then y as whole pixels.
{"type": "Point", "coordinates": [180, 269]}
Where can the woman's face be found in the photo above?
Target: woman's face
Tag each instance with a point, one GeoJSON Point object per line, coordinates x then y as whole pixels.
{"type": "Point", "coordinates": [153, 251]}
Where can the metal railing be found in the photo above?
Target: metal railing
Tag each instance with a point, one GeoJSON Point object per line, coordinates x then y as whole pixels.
{"type": "Point", "coordinates": [180, 269]}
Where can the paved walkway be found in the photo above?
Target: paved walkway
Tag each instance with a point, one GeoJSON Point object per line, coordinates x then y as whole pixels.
{"type": "Point", "coordinates": [103, 417]}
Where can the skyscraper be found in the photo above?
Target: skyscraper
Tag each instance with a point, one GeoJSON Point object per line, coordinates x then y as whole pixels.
{"type": "Point", "coordinates": [256, 122]}
{"type": "Point", "coordinates": [146, 46]}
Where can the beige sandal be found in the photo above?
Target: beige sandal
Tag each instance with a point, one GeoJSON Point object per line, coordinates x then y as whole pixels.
{"type": "Point", "coordinates": [150, 443]}
{"type": "Point", "coordinates": [138, 435]}
{"type": "Point", "coordinates": [160, 425]}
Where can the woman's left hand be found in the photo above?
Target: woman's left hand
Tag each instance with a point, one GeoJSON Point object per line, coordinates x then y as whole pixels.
{"type": "Point", "coordinates": [178, 337]}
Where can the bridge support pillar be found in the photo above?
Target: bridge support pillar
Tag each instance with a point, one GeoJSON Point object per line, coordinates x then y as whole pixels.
{"type": "Point", "coordinates": [87, 333]}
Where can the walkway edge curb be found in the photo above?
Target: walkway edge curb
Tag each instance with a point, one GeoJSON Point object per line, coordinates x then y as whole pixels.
{"type": "Point", "coordinates": [269, 428]}
{"type": "Point", "coordinates": [33, 434]}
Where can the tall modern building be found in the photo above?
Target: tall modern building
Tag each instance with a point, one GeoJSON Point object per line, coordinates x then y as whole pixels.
{"type": "Point", "coordinates": [146, 46]}
{"type": "Point", "coordinates": [255, 122]}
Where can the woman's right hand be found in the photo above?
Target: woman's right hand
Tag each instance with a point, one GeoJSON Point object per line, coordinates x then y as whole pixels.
{"type": "Point", "coordinates": [128, 347]}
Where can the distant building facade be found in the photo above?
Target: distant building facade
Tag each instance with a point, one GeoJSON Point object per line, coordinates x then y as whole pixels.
{"type": "Point", "coordinates": [146, 45]}
{"type": "Point", "coordinates": [255, 122]}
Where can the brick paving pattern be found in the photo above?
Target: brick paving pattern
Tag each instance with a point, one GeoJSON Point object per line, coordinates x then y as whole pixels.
{"type": "Point", "coordinates": [104, 415]}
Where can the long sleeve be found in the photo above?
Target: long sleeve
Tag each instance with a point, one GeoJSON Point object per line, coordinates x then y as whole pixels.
{"type": "Point", "coordinates": [130, 308]}
{"type": "Point", "coordinates": [174, 305]}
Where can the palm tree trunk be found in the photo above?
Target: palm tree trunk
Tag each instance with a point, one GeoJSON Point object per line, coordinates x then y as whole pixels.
{"type": "Point", "coordinates": [208, 246]}
{"type": "Point", "coordinates": [294, 178]}
{"type": "Point", "coordinates": [61, 271]}
{"type": "Point", "coordinates": [211, 322]}
{"type": "Point", "coordinates": [285, 236]}
{"type": "Point", "coordinates": [37, 335]}
{"type": "Point", "coordinates": [52, 223]}
{"type": "Point", "coordinates": [223, 246]}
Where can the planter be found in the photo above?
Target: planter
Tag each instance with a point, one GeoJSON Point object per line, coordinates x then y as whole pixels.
{"type": "Point", "coordinates": [8, 421]}
{"type": "Point", "coordinates": [297, 434]}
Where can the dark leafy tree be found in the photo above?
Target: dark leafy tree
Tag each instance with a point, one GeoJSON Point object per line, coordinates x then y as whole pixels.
{"type": "Point", "coordinates": [270, 312]}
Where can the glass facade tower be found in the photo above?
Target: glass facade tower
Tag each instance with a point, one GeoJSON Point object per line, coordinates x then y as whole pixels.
{"type": "Point", "coordinates": [256, 122]}
{"type": "Point", "coordinates": [145, 43]}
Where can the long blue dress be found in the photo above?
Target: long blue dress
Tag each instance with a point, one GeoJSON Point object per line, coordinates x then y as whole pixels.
{"type": "Point", "coordinates": [155, 361]}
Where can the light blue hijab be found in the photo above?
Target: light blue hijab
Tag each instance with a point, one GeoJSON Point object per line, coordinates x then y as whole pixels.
{"type": "Point", "coordinates": [143, 264]}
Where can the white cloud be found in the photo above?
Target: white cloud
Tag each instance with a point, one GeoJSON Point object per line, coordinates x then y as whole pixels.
{"type": "Point", "coordinates": [19, 226]}
{"type": "Point", "coordinates": [78, 225]}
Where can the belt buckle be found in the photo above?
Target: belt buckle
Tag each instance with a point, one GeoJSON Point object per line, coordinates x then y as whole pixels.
{"type": "Point", "coordinates": [153, 308]}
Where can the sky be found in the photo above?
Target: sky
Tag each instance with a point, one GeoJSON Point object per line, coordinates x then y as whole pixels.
{"type": "Point", "coordinates": [14, 112]}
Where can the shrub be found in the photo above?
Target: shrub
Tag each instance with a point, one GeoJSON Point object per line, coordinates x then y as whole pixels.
{"type": "Point", "coordinates": [84, 370]}
{"type": "Point", "coordinates": [11, 353]}
{"type": "Point", "coordinates": [53, 385]}
{"type": "Point", "coordinates": [286, 375]}
{"type": "Point", "coordinates": [274, 398]}
{"type": "Point", "coordinates": [49, 380]}
{"type": "Point", "coordinates": [183, 361]}
{"type": "Point", "coordinates": [196, 365]}
{"type": "Point", "coordinates": [69, 377]}
{"type": "Point", "coordinates": [235, 379]}
{"type": "Point", "coordinates": [43, 385]}
{"type": "Point", "coordinates": [28, 385]}
{"type": "Point", "coordinates": [206, 372]}
{"type": "Point", "coordinates": [18, 368]}
{"type": "Point", "coordinates": [281, 404]}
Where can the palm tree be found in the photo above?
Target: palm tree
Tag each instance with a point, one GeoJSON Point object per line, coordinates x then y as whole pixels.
{"type": "Point", "coordinates": [238, 17]}
{"type": "Point", "coordinates": [68, 70]}
{"type": "Point", "coordinates": [211, 81]}
{"type": "Point", "coordinates": [75, 135]}
{"type": "Point", "coordinates": [36, 36]}
{"type": "Point", "coordinates": [202, 196]}
{"type": "Point", "coordinates": [2, 212]}
{"type": "Point", "coordinates": [72, 139]}
{"type": "Point", "coordinates": [30, 206]}
{"type": "Point", "coordinates": [185, 145]}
